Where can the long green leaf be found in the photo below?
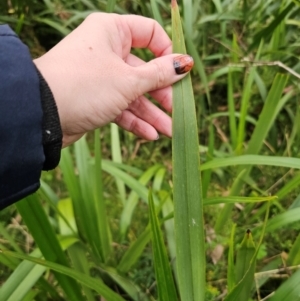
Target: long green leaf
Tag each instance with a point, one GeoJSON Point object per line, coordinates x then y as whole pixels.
{"type": "Point", "coordinates": [136, 248]}
{"type": "Point", "coordinates": [230, 270]}
{"type": "Point", "coordinates": [27, 274]}
{"type": "Point", "coordinates": [133, 198]}
{"type": "Point", "coordinates": [243, 111]}
{"type": "Point", "coordinates": [199, 66]}
{"type": "Point", "coordinates": [188, 203]}
{"type": "Point", "coordinates": [254, 145]}
{"type": "Point", "coordinates": [99, 202]}
{"type": "Point", "coordinates": [88, 213]}
{"type": "Point", "coordinates": [117, 157]}
{"type": "Point", "coordinates": [236, 199]}
{"type": "Point", "coordinates": [266, 32]}
{"type": "Point", "coordinates": [273, 104]}
{"type": "Point", "coordinates": [167, 209]}
{"type": "Point", "coordinates": [231, 109]}
{"type": "Point", "coordinates": [294, 254]}
{"type": "Point", "coordinates": [289, 290]}
{"type": "Point", "coordinates": [206, 175]}
{"type": "Point", "coordinates": [244, 256]}
{"type": "Point", "coordinates": [252, 160]}
{"type": "Point", "coordinates": [77, 254]}
{"type": "Point", "coordinates": [67, 166]}
{"type": "Point", "coordinates": [58, 27]}
{"type": "Point", "coordinates": [88, 281]}
{"type": "Point", "coordinates": [164, 278]}
{"type": "Point", "coordinates": [130, 181]}
{"type": "Point", "coordinates": [289, 186]}
{"type": "Point", "coordinates": [21, 280]}
{"type": "Point", "coordinates": [156, 14]}
{"type": "Point", "coordinates": [134, 252]}
{"type": "Point", "coordinates": [111, 5]}
{"type": "Point", "coordinates": [126, 284]}
{"type": "Point", "coordinates": [39, 226]}
{"type": "Point", "coordinates": [284, 219]}
{"type": "Point", "coordinates": [237, 293]}
{"type": "Point", "coordinates": [5, 235]}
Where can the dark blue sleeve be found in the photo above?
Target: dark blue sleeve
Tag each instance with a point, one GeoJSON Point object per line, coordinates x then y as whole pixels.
{"type": "Point", "coordinates": [21, 148]}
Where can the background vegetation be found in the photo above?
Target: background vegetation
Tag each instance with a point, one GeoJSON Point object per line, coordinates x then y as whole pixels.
{"type": "Point", "coordinates": [96, 221]}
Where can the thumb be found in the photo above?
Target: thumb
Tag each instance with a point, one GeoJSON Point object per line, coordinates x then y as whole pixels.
{"type": "Point", "coordinates": [162, 72]}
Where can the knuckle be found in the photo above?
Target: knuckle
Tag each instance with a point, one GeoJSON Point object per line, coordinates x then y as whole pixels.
{"type": "Point", "coordinates": [93, 15]}
{"type": "Point", "coordinates": [160, 74]}
{"type": "Point", "coordinates": [119, 118]}
{"type": "Point", "coordinates": [131, 88]}
{"type": "Point", "coordinates": [133, 125]}
{"type": "Point", "coordinates": [165, 100]}
{"type": "Point", "coordinates": [136, 105]}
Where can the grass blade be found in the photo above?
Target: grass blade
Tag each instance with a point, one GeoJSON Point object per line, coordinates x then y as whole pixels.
{"type": "Point", "coordinates": [126, 284]}
{"type": "Point", "coordinates": [167, 209]}
{"type": "Point", "coordinates": [236, 199]}
{"type": "Point", "coordinates": [27, 275]}
{"type": "Point", "coordinates": [21, 280]}
{"type": "Point", "coordinates": [99, 202]}
{"type": "Point", "coordinates": [156, 14]}
{"type": "Point", "coordinates": [163, 272]}
{"type": "Point", "coordinates": [9, 238]}
{"type": "Point", "coordinates": [88, 210]}
{"type": "Point", "coordinates": [230, 271]}
{"type": "Point", "coordinates": [289, 290]}
{"type": "Point", "coordinates": [294, 254]}
{"type": "Point", "coordinates": [88, 281]}
{"type": "Point", "coordinates": [188, 17]}
{"type": "Point", "coordinates": [231, 109]}
{"type": "Point", "coordinates": [206, 175]}
{"type": "Point", "coordinates": [237, 293]}
{"type": "Point", "coordinates": [188, 203]}
{"type": "Point", "coordinates": [117, 157]}
{"type": "Point", "coordinates": [133, 199]}
{"type": "Point", "coordinates": [269, 30]}
{"type": "Point", "coordinates": [281, 220]}
{"type": "Point", "coordinates": [271, 104]}
{"type": "Point", "coordinates": [288, 162]}
{"type": "Point", "coordinates": [199, 66]}
{"type": "Point", "coordinates": [134, 252]}
{"type": "Point", "coordinates": [110, 5]}
{"type": "Point", "coordinates": [243, 111]}
{"type": "Point", "coordinates": [72, 183]}
{"type": "Point", "coordinates": [243, 263]}
{"type": "Point", "coordinates": [77, 254]}
{"type": "Point", "coordinates": [38, 224]}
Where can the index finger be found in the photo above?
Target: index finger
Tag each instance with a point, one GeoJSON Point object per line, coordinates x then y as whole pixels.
{"type": "Point", "coordinates": [147, 33]}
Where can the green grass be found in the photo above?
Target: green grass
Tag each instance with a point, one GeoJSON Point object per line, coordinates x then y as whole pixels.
{"type": "Point", "coordinates": [96, 239]}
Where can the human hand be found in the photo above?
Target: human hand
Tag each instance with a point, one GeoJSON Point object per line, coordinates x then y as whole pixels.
{"type": "Point", "coordinates": [96, 80]}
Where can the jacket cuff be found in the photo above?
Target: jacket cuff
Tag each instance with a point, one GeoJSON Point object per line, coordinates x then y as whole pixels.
{"type": "Point", "coordinates": [51, 129]}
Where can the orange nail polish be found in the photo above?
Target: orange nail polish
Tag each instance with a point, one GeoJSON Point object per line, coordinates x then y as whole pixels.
{"type": "Point", "coordinates": [183, 63]}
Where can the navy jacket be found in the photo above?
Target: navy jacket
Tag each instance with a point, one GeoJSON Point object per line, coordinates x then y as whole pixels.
{"type": "Point", "coordinates": [22, 120]}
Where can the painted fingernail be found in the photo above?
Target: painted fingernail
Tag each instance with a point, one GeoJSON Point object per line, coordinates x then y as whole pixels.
{"type": "Point", "coordinates": [183, 63]}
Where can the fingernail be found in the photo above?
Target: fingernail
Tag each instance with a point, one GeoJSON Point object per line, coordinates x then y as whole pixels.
{"type": "Point", "coordinates": [183, 63]}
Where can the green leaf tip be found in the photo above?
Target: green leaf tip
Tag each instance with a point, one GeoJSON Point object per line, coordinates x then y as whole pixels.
{"type": "Point", "coordinates": [248, 240]}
